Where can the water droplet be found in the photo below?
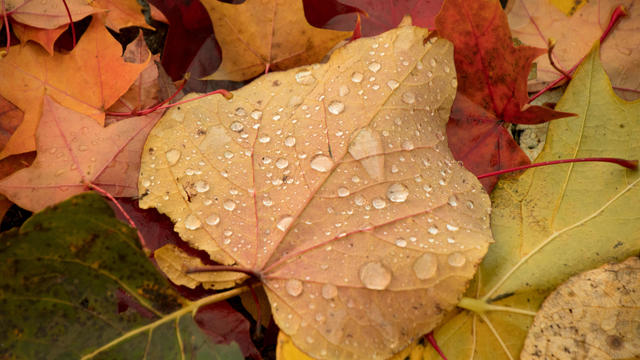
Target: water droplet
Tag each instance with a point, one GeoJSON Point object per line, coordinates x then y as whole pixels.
{"type": "Point", "coordinates": [453, 201]}
{"type": "Point", "coordinates": [425, 266]}
{"type": "Point", "coordinates": [192, 222]}
{"type": "Point", "coordinates": [452, 228]}
{"type": "Point", "coordinates": [470, 204]}
{"type": "Point", "coordinates": [173, 156]}
{"type": "Point", "coordinates": [256, 114]}
{"type": "Point", "coordinates": [408, 97]}
{"type": "Point", "coordinates": [229, 205]}
{"type": "Point", "coordinates": [446, 68]}
{"type": "Point", "coordinates": [343, 191]}
{"type": "Point", "coordinates": [236, 126]}
{"type": "Point", "coordinates": [432, 230]}
{"type": "Point", "coordinates": [241, 111]}
{"type": "Point", "coordinates": [321, 163]}
{"type": "Point", "coordinates": [294, 287]}
{"type": "Point", "coordinates": [336, 107]}
{"type": "Point", "coordinates": [212, 219]}
{"type": "Point", "coordinates": [264, 139]}
{"type": "Point", "coordinates": [320, 317]}
{"type": "Point", "coordinates": [267, 201]}
{"type": "Point", "coordinates": [357, 77]}
{"type": "Point", "coordinates": [456, 259]}
{"type": "Point", "coordinates": [343, 90]}
{"type": "Point", "coordinates": [364, 147]}
{"type": "Point", "coordinates": [202, 186]}
{"type": "Point", "coordinates": [146, 183]}
{"type": "Point", "coordinates": [400, 242]}
{"type": "Point", "coordinates": [374, 66]}
{"type": "Point", "coordinates": [375, 276]}
{"type": "Point", "coordinates": [392, 84]}
{"type": "Point", "coordinates": [284, 223]}
{"type": "Point", "coordinates": [359, 200]}
{"type": "Point", "coordinates": [454, 82]}
{"type": "Point", "coordinates": [282, 163]}
{"type": "Point", "coordinates": [83, 148]}
{"type": "Point", "coordinates": [378, 203]}
{"type": "Point", "coordinates": [432, 62]}
{"type": "Point", "coordinates": [305, 77]}
{"type": "Point", "coordinates": [397, 193]}
{"type": "Point", "coordinates": [329, 291]}
{"type": "Point", "coordinates": [290, 141]}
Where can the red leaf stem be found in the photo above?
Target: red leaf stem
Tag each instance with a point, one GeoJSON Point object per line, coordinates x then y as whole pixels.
{"type": "Point", "coordinates": [73, 28]}
{"type": "Point", "coordinates": [434, 343]}
{"type": "Point", "coordinates": [6, 25]}
{"type": "Point", "coordinates": [124, 213]}
{"type": "Point", "coordinates": [629, 164]}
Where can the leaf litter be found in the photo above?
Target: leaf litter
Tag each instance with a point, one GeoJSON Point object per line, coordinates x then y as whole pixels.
{"type": "Point", "coordinates": [334, 184]}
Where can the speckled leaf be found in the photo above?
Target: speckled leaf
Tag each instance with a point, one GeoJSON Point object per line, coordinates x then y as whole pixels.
{"type": "Point", "coordinates": [594, 315]}
{"type": "Point", "coordinates": [554, 222]}
{"type": "Point", "coordinates": [334, 183]}
{"type": "Point", "coordinates": [64, 272]}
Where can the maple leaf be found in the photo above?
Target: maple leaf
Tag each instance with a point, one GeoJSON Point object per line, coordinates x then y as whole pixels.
{"type": "Point", "coordinates": [75, 152]}
{"type": "Point", "coordinates": [266, 35]}
{"type": "Point", "coordinates": [333, 183]}
{"type": "Point", "coordinates": [47, 14]}
{"type": "Point", "coordinates": [593, 315]}
{"type": "Point", "coordinates": [492, 78]}
{"type": "Point", "coordinates": [122, 13]}
{"type": "Point", "coordinates": [387, 14]}
{"type": "Point", "coordinates": [546, 228]}
{"type": "Point", "coordinates": [89, 79]}
{"type": "Point", "coordinates": [45, 37]}
{"type": "Point", "coordinates": [535, 22]}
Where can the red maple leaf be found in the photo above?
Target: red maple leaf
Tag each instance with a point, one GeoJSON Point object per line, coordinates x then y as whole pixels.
{"type": "Point", "coordinates": [492, 87]}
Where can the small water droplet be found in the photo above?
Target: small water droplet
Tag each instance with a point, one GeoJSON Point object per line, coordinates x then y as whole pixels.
{"type": "Point", "coordinates": [146, 183]}
{"type": "Point", "coordinates": [378, 203]}
{"type": "Point", "coordinates": [359, 200]}
{"type": "Point", "coordinates": [454, 82]}
{"type": "Point", "coordinates": [401, 242]}
{"type": "Point", "coordinates": [229, 205]}
{"type": "Point", "coordinates": [236, 126]}
{"type": "Point", "coordinates": [264, 139]}
{"type": "Point", "coordinates": [282, 163]}
{"type": "Point", "coordinates": [192, 222]}
{"type": "Point", "coordinates": [343, 191]}
{"type": "Point", "coordinates": [432, 62]}
{"type": "Point", "coordinates": [289, 141]}
{"type": "Point", "coordinates": [453, 201]}
{"type": "Point", "coordinates": [305, 77]}
{"type": "Point", "coordinates": [83, 148]}
{"type": "Point", "coordinates": [329, 291]}
{"type": "Point", "coordinates": [446, 68]}
{"type": "Point", "coordinates": [408, 97]}
{"type": "Point", "coordinates": [284, 223]}
{"type": "Point", "coordinates": [173, 156]}
{"type": "Point", "coordinates": [375, 276]}
{"type": "Point", "coordinates": [392, 84]}
{"type": "Point", "coordinates": [320, 317]}
{"type": "Point", "coordinates": [267, 201]}
{"type": "Point", "coordinates": [374, 66]}
{"type": "Point", "coordinates": [456, 259]}
{"type": "Point", "coordinates": [241, 111]}
{"type": "Point", "coordinates": [425, 266]}
{"type": "Point", "coordinates": [433, 230]}
{"type": "Point", "coordinates": [397, 193]}
{"type": "Point", "coordinates": [336, 107]}
{"type": "Point", "coordinates": [357, 77]}
{"type": "Point", "coordinates": [294, 287]}
{"type": "Point", "coordinates": [202, 186]}
{"type": "Point", "coordinates": [256, 114]}
{"type": "Point", "coordinates": [452, 228]}
{"type": "Point", "coordinates": [321, 163]}
{"type": "Point", "coordinates": [470, 204]}
{"type": "Point", "coordinates": [213, 219]}
{"type": "Point", "coordinates": [407, 145]}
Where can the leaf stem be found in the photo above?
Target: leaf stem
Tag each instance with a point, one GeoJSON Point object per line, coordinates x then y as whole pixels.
{"type": "Point", "coordinates": [210, 268]}
{"type": "Point", "coordinates": [432, 340]}
{"type": "Point", "coordinates": [191, 307]}
{"type": "Point", "coordinates": [105, 193]}
{"type": "Point", "coordinates": [151, 109]}
{"type": "Point", "coordinates": [629, 164]}
{"type": "Point", "coordinates": [73, 28]}
{"type": "Point", "coordinates": [6, 26]}
{"type": "Point", "coordinates": [480, 307]}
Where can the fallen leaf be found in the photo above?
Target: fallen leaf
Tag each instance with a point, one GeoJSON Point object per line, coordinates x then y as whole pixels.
{"type": "Point", "coordinates": [75, 152]}
{"type": "Point", "coordinates": [387, 14]}
{"type": "Point", "coordinates": [121, 13]}
{"type": "Point", "coordinates": [554, 222]}
{"type": "Point", "coordinates": [593, 315]}
{"type": "Point", "coordinates": [63, 297]}
{"type": "Point", "coordinates": [334, 185]}
{"type": "Point", "coordinates": [492, 77]}
{"type": "Point", "coordinates": [266, 35]}
{"type": "Point", "coordinates": [45, 37]}
{"type": "Point", "coordinates": [47, 14]}
{"type": "Point", "coordinates": [88, 80]}
{"type": "Point", "coordinates": [533, 22]}
{"type": "Point", "coordinates": [330, 14]}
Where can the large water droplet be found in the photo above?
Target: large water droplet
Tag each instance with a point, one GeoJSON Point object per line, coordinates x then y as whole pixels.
{"type": "Point", "coordinates": [294, 287]}
{"type": "Point", "coordinates": [329, 291]}
{"type": "Point", "coordinates": [343, 191]}
{"type": "Point", "coordinates": [374, 66]}
{"type": "Point", "coordinates": [173, 156]}
{"type": "Point", "coordinates": [336, 107]}
{"type": "Point", "coordinates": [357, 77]}
{"type": "Point", "coordinates": [284, 223]}
{"type": "Point", "coordinates": [236, 126]}
{"type": "Point", "coordinates": [408, 97]}
{"type": "Point", "coordinates": [321, 163]}
{"type": "Point", "coordinates": [378, 203]}
{"type": "Point", "coordinates": [305, 77]}
{"type": "Point", "coordinates": [397, 192]}
{"type": "Point", "coordinates": [213, 219]}
{"type": "Point", "coordinates": [289, 141]}
{"type": "Point", "coordinates": [282, 163]}
{"type": "Point", "coordinates": [229, 205]}
{"type": "Point", "coordinates": [201, 186]}
{"type": "Point", "coordinates": [425, 266]}
{"type": "Point", "coordinates": [192, 222]}
{"type": "Point", "coordinates": [456, 259]}
{"type": "Point", "coordinates": [375, 276]}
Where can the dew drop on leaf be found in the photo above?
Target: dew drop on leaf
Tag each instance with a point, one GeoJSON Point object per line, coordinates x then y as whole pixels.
{"type": "Point", "coordinates": [401, 242]}
{"type": "Point", "coordinates": [407, 145]}
{"type": "Point", "coordinates": [456, 259]}
{"type": "Point", "coordinates": [305, 77]}
{"type": "Point", "coordinates": [374, 66]}
{"type": "Point", "coordinates": [343, 91]}
{"type": "Point", "coordinates": [408, 97]}
{"type": "Point", "coordinates": [284, 222]}
{"type": "Point", "coordinates": [282, 163]}
{"type": "Point", "coordinates": [343, 191]}
{"type": "Point", "coordinates": [229, 205]}
{"type": "Point", "coordinates": [432, 230]}
{"type": "Point", "coordinates": [294, 287]}
{"type": "Point", "coordinates": [213, 219]}
{"type": "Point", "coordinates": [192, 222]}
{"type": "Point", "coordinates": [379, 203]}
{"type": "Point", "coordinates": [392, 84]}
{"type": "Point", "coordinates": [173, 156]}
{"type": "Point", "coordinates": [357, 77]}
{"type": "Point", "coordinates": [236, 126]}
{"type": "Point", "coordinates": [375, 276]}
{"type": "Point", "coordinates": [425, 266]}
{"type": "Point", "coordinates": [329, 291]}
{"type": "Point", "coordinates": [397, 193]}
{"type": "Point", "coordinates": [453, 201]}
{"type": "Point", "coordinates": [290, 141]}
{"type": "Point", "coordinates": [256, 114]}
{"type": "Point", "coordinates": [452, 228]}
{"type": "Point", "coordinates": [336, 107]}
{"type": "Point", "coordinates": [321, 163]}
{"type": "Point", "coordinates": [202, 186]}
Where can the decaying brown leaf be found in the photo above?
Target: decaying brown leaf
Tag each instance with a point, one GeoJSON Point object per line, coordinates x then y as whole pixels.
{"type": "Point", "coordinates": [594, 315]}
{"type": "Point", "coordinates": [334, 183]}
